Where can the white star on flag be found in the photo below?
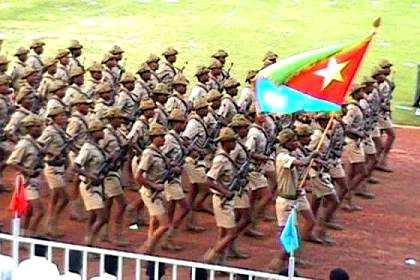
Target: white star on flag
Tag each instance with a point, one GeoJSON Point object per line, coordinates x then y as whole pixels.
{"type": "Point", "coordinates": [332, 72]}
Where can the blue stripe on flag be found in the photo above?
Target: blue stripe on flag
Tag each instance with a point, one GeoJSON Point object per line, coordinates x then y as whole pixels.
{"type": "Point", "coordinates": [289, 238]}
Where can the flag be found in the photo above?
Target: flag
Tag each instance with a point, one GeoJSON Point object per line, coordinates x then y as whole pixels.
{"type": "Point", "coordinates": [289, 238]}
{"type": "Point", "coordinates": [314, 81]}
{"type": "Point", "coordinates": [19, 203]}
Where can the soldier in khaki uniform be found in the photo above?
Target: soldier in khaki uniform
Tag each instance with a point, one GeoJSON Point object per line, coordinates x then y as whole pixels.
{"type": "Point", "coordinates": [153, 63]}
{"type": "Point", "coordinates": [114, 145]}
{"type": "Point", "coordinates": [49, 69]}
{"type": "Point", "coordinates": [95, 71]}
{"type": "Point", "coordinates": [216, 78]}
{"type": "Point", "coordinates": [228, 107]}
{"type": "Point", "coordinates": [246, 98]}
{"type": "Point", "coordinates": [88, 161]}
{"type": "Point", "coordinates": [118, 69]}
{"type": "Point", "coordinates": [160, 96]}
{"type": "Point", "coordinates": [30, 80]}
{"type": "Point", "coordinates": [53, 141]}
{"type": "Point", "coordinates": [177, 100]}
{"type": "Point", "coordinates": [77, 128]}
{"type": "Point", "coordinates": [221, 56]}
{"type": "Point", "coordinates": [19, 67]}
{"type": "Point", "coordinates": [76, 82]}
{"type": "Point", "coordinates": [34, 59]}
{"type": "Point", "coordinates": [108, 75]}
{"type": "Point", "coordinates": [195, 165]}
{"type": "Point", "coordinates": [75, 49]}
{"type": "Point", "coordinates": [25, 100]}
{"type": "Point", "coordinates": [175, 153]}
{"type": "Point", "coordinates": [127, 99]}
{"type": "Point", "coordinates": [63, 70]}
{"type": "Point", "coordinates": [213, 121]}
{"type": "Point", "coordinates": [105, 100]}
{"type": "Point", "coordinates": [200, 89]}
{"type": "Point", "coordinates": [6, 110]}
{"type": "Point", "coordinates": [145, 84]}
{"type": "Point", "coordinates": [4, 65]}
{"type": "Point", "coordinates": [220, 177]}
{"type": "Point", "coordinates": [150, 174]}
{"type": "Point", "coordinates": [26, 158]}
{"type": "Point", "coordinates": [269, 59]}
{"type": "Point", "coordinates": [168, 69]}
{"type": "Point", "coordinates": [57, 91]}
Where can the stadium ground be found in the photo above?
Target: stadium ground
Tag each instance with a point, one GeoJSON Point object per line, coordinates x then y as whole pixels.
{"type": "Point", "coordinates": [246, 28]}
{"type": "Point", "coordinates": [373, 246]}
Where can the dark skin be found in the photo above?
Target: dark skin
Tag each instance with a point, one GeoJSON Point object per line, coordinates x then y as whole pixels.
{"type": "Point", "coordinates": [64, 60]}
{"type": "Point", "coordinates": [146, 75]}
{"type": "Point", "coordinates": [203, 78]}
{"type": "Point", "coordinates": [154, 65]}
{"type": "Point", "coordinates": [111, 63]}
{"type": "Point", "coordinates": [161, 98]}
{"type": "Point", "coordinates": [221, 59]}
{"type": "Point", "coordinates": [76, 52]}
{"type": "Point", "coordinates": [3, 67]}
{"type": "Point", "coordinates": [5, 90]}
{"type": "Point", "coordinates": [128, 85]}
{"type": "Point", "coordinates": [171, 58]}
{"type": "Point", "coordinates": [118, 56]}
{"type": "Point", "coordinates": [215, 104]}
{"type": "Point", "coordinates": [52, 69]}
{"type": "Point", "coordinates": [216, 72]}
{"type": "Point", "coordinates": [23, 57]}
{"type": "Point", "coordinates": [32, 79]}
{"type": "Point", "coordinates": [96, 75]}
{"type": "Point", "coordinates": [182, 89]}
{"type": "Point", "coordinates": [39, 50]}
{"type": "Point", "coordinates": [78, 80]}
{"type": "Point", "coordinates": [232, 91]}
{"type": "Point", "coordinates": [107, 96]}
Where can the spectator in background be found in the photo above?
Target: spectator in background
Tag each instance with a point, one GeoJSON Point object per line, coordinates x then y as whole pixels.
{"type": "Point", "coordinates": [37, 267]}
{"type": "Point", "coordinates": [75, 266]}
{"type": "Point", "coordinates": [111, 269]}
{"type": "Point", "coordinates": [339, 274]}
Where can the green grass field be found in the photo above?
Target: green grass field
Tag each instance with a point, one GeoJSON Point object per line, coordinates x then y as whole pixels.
{"type": "Point", "coordinates": [247, 29]}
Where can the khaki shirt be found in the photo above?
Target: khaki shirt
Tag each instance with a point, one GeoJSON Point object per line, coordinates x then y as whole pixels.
{"type": "Point", "coordinates": [246, 98]}
{"type": "Point", "coordinates": [54, 101]}
{"type": "Point", "coordinates": [167, 72]}
{"type": "Point", "coordinates": [101, 107]}
{"type": "Point", "coordinates": [73, 91]}
{"type": "Point", "coordinates": [17, 72]}
{"type": "Point", "coordinates": [143, 89]}
{"type": "Point", "coordinates": [161, 116]}
{"type": "Point", "coordinates": [197, 92]}
{"type": "Point", "coordinates": [91, 87]}
{"type": "Point", "coordinates": [26, 154]}
{"type": "Point", "coordinates": [239, 154]}
{"type": "Point", "coordinates": [52, 140]}
{"type": "Point", "coordinates": [5, 110]}
{"type": "Point", "coordinates": [286, 174]}
{"type": "Point", "coordinates": [152, 164]}
{"type": "Point", "coordinates": [176, 101]}
{"type": "Point", "coordinates": [256, 139]}
{"type": "Point", "coordinates": [139, 134]}
{"type": "Point", "coordinates": [196, 127]}
{"type": "Point", "coordinates": [35, 62]}
{"type": "Point", "coordinates": [43, 89]}
{"type": "Point", "coordinates": [113, 141]}
{"type": "Point", "coordinates": [110, 77]}
{"type": "Point", "coordinates": [211, 122]}
{"type": "Point", "coordinates": [222, 170]}
{"type": "Point", "coordinates": [216, 82]}
{"type": "Point", "coordinates": [78, 125]}
{"type": "Point", "coordinates": [128, 102]}
{"type": "Point", "coordinates": [13, 126]}
{"type": "Point", "coordinates": [90, 157]}
{"type": "Point", "coordinates": [354, 117]}
{"type": "Point", "coordinates": [228, 108]}
{"type": "Point", "coordinates": [173, 148]}
{"type": "Point", "coordinates": [74, 63]}
{"type": "Point", "coordinates": [118, 71]}
{"type": "Point", "coordinates": [385, 95]}
{"type": "Point", "coordinates": [316, 138]}
{"type": "Point", "coordinates": [62, 73]}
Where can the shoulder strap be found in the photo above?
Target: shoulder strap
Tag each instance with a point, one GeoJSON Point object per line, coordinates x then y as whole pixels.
{"type": "Point", "coordinates": [224, 154]}
{"type": "Point", "coordinates": [228, 97]}
{"type": "Point", "coordinates": [194, 117]}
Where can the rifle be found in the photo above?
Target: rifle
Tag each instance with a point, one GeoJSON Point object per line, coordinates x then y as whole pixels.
{"type": "Point", "coordinates": [239, 180]}
{"type": "Point", "coordinates": [183, 67]}
{"type": "Point", "coordinates": [228, 71]}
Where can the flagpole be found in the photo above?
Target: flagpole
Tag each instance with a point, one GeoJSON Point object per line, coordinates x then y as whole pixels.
{"type": "Point", "coordinates": [16, 226]}
{"type": "Point", "coordinates": [318, 147]}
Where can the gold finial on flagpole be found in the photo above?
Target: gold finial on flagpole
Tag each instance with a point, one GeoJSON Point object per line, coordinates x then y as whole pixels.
{"type": "Point", "coordinates": [376, 24]}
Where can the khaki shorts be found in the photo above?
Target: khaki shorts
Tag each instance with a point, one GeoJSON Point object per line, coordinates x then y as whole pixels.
{"type": "Point", "coordinates": [385, 122]}
{"type": "Point", "coordinates": [54, 176]}
{"type": "Point", "coordinates": [196, 175]}
{"type": "Point", "coordinates": [337, 170]}
{"type": "Point", "coordinates": [32, 188]}
{"type": "Point", "coordinates": [356, 151]}
{"type": "Point", "coordinates": [134, 165]}
{"type": "Point", "coordinates": [92, 197]}
{"type": "Point", "coordinates": [242, 201]}
{"type": "Point", "coordinates": [257, 181]}
{"type": "Point", "coordinates": [376, 132]}
{"type": "Point", "coordinates": [224, 215]}
{"type": "Point", "coordinates": [174, 191]}
{"type": "Point", "coordinates": [284, 206]}
{"type": "Point", "coordinates": [369, 146]}
{"type": "Point", "coordinates": [155, 207]}
{"type": "Point", "coordinates": [321, 187]}
{"type": "Point", "coordinates": [112, 185]}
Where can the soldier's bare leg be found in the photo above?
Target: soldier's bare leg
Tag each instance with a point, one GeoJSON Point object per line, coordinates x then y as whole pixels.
{"type": "Point", "coordinates": [134, 211]}
{"type": "Point", "coordinates": [200, 205]}
{"type": "Point", "coordinates": [96, 222]}
{"type": "Point", "coordinates": [259, 199]}
{"type": "Point", "coordinates": [120, 238]}
{"type": "Point", "coordinates": [390, 139]}
{"type": "Point", "coordinates": [310, 219]}
{"type": "Point", "coordinates": [332, 206]}
{"type": "Point", "coordinates": [279, 260]}
{"type": "Point", "coordinates": [174, 223]}
{"type": "Point", "coordinates": [341, 187]}
{"type": "Point", "coordinates": [192, 194]}
{"type": "Point", "coordinates": [37, 214]}
{"type": "Point", "coordinates": [58, 201]}
{"type": "Point", "coordinates": [153, 240]}
{"type": "Point", "coordinates": [356, 176]}
{"type": "Point", "coordinates": [243, 221]}
{"type": "Point", "coordinates": [26, 219]}
{"type": "Point", "coordinates": [104, 235]}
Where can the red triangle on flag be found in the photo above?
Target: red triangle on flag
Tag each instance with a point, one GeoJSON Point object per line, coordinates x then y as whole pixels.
{"type": "Point", "coordinates": [330, 78]}
{"type": "Point", "coordinates": [19, 203]}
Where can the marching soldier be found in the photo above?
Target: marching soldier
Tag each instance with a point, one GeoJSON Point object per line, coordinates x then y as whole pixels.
{"type": "Point", "coordinates": [57, 91]}
{"type": "Point", "coordinates": [4, 65]}
{"type": "Point", "coordinates": [245, 99]}
{"type": "Point", "coordinates": [145, 84]}
{"type": "Point", "coordinates": [127, 99]}
{"type": "Point", "coordinates": [200, 89]}
{"type": "Point", "coordinates": [26, 158]}
{"type": "Point", "coordinates": [220, 177]}
{"type": "Point", "coordinates": [88, 163]}
{"type": "Point", "coordinates": [77, 129]}
{"type": "Point", "coordinates": [95, 71]}
{"type": "Point", "coordinates": [175, 153]}
{"type": "Point", "coordinates": [114, 145]}
{"type": "Point", "coordinates": [216, 79]}
{"type": "Point", "coordinates": [49, 69]}
{"type": "Point", "coordinates": [213, 120]}
{"type": "Point", "coordinates": [6, 109]}
{"type": "Point", "coordinates": [19, 67]}
{"type": "Point", "coordinates": [177, 100]}
{"type": "Point", "coordinates": [105, 101]}
{"type": "Point", "coordinates": [229, 108]}
{"type": "Point", "coordinates": [30, 79]}
{"type": "Point", "coordinates": [108, 75]}
{"type": "Point", "coordinates": [269, 59]}
{"type": "Point", "coordinates": [168, 69]}
{"type": "Point", "coordinates": [76, 82]}
{"type": "Point", "coordinates": [153, 63]}
{"type": "Point", "coordinates": [118, 69]}
{"type": "Point", "coordinates": [151, 174]}
{"type": "Point", "coordinates": [75, 49]}
{"type": "Point", "coordinates": [34, 59]}
{"type": "Point", "coordinates": [160, 96]}
{"type": "Point", "coordinates": [53, 141]}
{"type": "Point", "coordinates": [221, 56]}
{"type": "Point", "coordinates": [63, 70]}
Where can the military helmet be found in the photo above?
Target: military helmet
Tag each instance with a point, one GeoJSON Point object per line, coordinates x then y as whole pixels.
{"type": "Point", "coordinates": [36, 43]}
{"type": "Point", "coordinates": [80, 99]}
{"type": "Point", "coordinates": [385, 63]}
{"type": "Point", "coordinates": [152, 58]}
{"type": "Point", "coordinates": [226, 134]}
{"type": "Point", "coordinates": [114, 112]}
{"type": "Point", "coordinates": [76, 71]}
{"type": "Point", "coordinates": [157, 129]}
{"type": "Point", "coordinates": [3, 60]}
{"type": "Point", "coordinates": [144, 67]}
{"type": "Point", "coordinates": [213, 95]}
{"type": "Point", "coordinates": [215, 64]}
{"type": "Point", "coordinates": [96, 67]}
{"type": "Point", "coordinates": [28, 71]}
{"type": "Point", "coordinates": [127, 77]}
{"type": "Point", "coordinates": [116, 50]}
{"type": "Point", "coordinates": [180, 79]}
{"type": "Point", "coordinates": [377, 71]}
{"type": "Point", "coordinates": [49, 61]}
{"type": "Point", "coordinates": [107, 57]}
{"type": "Point", "coordinates": [177, 115]}
{"type": "Point", "coordinates": [251, 75]}
{"type": "Point", "coordinates": [5, 80]}
{"type": "Point", "coordinates": [95, 125]}
{"type": "Point", "coordinates": [62, 53]}
{"type": "Point", "coordinates": [201, 70]}
{"type": "Point", "coordinates": [55, 110]}
{"type": "Point", "coordinates": [32, 120]}
{"type": "Point", "coordinates": [103, 87]}
{"type": "Point", "coordinates": [270, 56]}
{"type": "Point", "coordinates": [231, 82]}
{"type": "Point", "coordinates": [285, 136]}
{"type": "Point", "coordinates": [170, 51]}
{"type": "Point", "coordinates": [239, 120]}
{"type": "Point", "coordinates": [147, 104]}
{"type": "Point", "coordinates": [161, 88]}
{"type": "Point", "coordinates": [200, 103]}
{"type": "Point", "coordinates": [304, 130]}
{"type": "Point", "coordinates": [220, 53]}
{"type": "Point", "coordinates": [23, 92]}
{"type": "Point", "coordinates": [57, 85]}
{"type": "Point", "coordinates": [21, 50]}
{"type": "Point", "coordinates": [74, 44]}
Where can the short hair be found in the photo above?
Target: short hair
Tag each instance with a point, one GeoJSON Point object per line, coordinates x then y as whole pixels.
{"type": "Point", "coordinates": [40, 250]}
{"type": "Point", "coordinates": [111, 264]}
{"type": "Point", "coordinates": [75, 261]}
{"type": "Point", "coordinates": [339, 274]}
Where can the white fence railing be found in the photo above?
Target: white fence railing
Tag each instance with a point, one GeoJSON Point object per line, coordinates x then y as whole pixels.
{"type": "Point", "coordinates": [173, 267]}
